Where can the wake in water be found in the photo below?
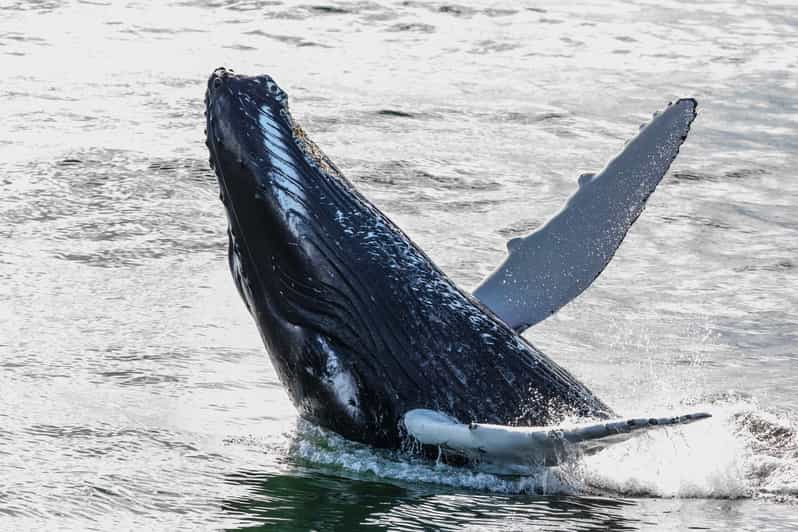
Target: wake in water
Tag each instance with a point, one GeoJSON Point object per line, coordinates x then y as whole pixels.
{"type": "Point", "coordinates": [744, 451]}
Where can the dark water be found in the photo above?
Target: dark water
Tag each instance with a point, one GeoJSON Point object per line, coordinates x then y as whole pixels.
{"type": "Point", "coordinates": [134, 390]}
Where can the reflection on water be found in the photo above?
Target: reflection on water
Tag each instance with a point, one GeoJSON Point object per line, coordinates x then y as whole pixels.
{"type": "Point", "coordinates": [309, 500]}
{"type": "Point", "coordinates": [134, 389]}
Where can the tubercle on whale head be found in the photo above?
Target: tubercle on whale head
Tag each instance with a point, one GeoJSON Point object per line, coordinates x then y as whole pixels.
{"type": "Point", "coordinates": [222, 78]}
{"type": "Point", "coordinates": [233, 104]}
{"type": "Point", "coordinates": [244, 114]}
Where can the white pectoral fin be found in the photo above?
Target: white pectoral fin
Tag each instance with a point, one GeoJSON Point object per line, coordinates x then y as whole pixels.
{"type": "Point", "coordinates": [598, 436]}
{"type": "Point", "coordinates": [548, 268]}
{"type": "Point", "coordinates": [532, 445]}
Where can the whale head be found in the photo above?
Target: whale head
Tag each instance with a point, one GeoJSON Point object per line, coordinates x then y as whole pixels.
{"type": "Point", "coordinates": [243, 113]}
{"type": "Point", "coordinates": [280, 226]}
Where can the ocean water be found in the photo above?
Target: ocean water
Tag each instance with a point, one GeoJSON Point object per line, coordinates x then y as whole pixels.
{"type": "Point", "coordinates": [134, 389]}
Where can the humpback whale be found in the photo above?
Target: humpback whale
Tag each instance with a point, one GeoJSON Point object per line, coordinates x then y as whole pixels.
{"type": "Point", "coordinates": [368, 336]}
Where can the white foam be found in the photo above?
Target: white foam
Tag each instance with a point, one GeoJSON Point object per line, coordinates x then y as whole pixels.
{"type": "Point", "coordinates": [703, 460]}
{"type": "Point", "coordinates": [324, 448]}
{"type": "Point", "coordinates": [718, 458]}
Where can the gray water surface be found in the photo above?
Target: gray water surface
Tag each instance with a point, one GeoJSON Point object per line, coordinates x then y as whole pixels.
{"type": "Point", "coordinates": [134, 389]}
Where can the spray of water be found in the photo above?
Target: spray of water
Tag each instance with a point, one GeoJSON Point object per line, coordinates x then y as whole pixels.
{"type": "Point", "coordinates": [743, 451]}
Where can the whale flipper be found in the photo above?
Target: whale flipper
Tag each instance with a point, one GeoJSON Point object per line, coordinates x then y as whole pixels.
{"type": "Point", "coordinates": [548, 268]}
{"type": "Point", "coordinates": [531, 445]}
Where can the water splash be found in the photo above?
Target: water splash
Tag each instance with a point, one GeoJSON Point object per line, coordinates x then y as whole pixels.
{"type": "Point", "coordinates": [744, 451]}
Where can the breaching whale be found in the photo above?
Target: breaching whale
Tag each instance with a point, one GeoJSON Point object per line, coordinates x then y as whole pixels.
{"type": "Point", "coordinates": [368, 336]}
